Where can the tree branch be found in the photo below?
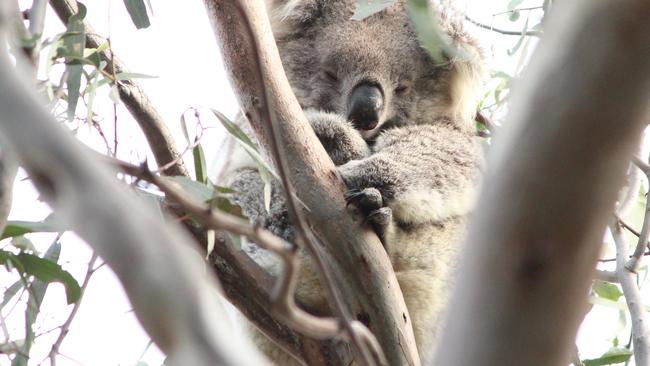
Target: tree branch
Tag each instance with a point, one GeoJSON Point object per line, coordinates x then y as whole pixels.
{"type": "Point", "coordinates": [550, 189]}
{"type": "Point", "coordinates": [178, 306]}
{"type": "Point", "coordinates": [632, 297]}
{"type": "Point", "coordinates": [635, 260]}
{"type": "Point", "coordinates": [371, 289]}
{"type": "Point", "coordinates": [133, 96]}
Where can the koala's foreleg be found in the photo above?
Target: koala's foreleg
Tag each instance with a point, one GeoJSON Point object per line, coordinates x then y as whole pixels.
{"type": "Point", "coordinates": [418, 174]}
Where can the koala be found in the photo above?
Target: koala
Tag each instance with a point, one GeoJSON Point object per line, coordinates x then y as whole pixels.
{"type": "Point", "coordinates": [399, 126]}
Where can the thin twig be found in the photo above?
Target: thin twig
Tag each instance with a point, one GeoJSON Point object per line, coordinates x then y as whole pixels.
{"type": "Point", "coordinates": [532, 33]}
{"type": "Point", "coordinates": [65, 328]}
{"type": "Point", "coordinates": [627, 279]}
{"type": "Point", "coordinates": [518, 9]}
{"type": "Point", "coordinates": [132, 95]}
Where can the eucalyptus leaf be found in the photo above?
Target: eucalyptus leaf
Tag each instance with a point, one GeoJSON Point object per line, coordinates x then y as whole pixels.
{"type": "Point", "coordinates": [197, 190]}
{"type": "Point", "coordinates": [366, 8]}
{"type": "Point", "coordinates": [74, 46]}
{"type": "Point", "coordinates": [17, 228]}
{"type": "Point", "coordinates": [10, 292]}
{"type": "Point", "coordinates": [611, 357]}
{"type": "Point", "coordinates": [138, 12]}
{"type": "Point", "coordinates": [607, 290]}
{"type": "Point", "coordinates": [513, 50]}
{"type": "Point", "coordinates": [127, 76]}
{"type": "Point", "coordinates": [249, 146]}
{"type": "Point", "coordinates": [513, 4]}
{"type": "Point", "coordinates": [200, 168]}
{"type": "Point", "coordinates": [44, 270]}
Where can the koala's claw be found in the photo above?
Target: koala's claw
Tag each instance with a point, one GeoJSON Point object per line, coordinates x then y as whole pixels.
{"type": "Point", "coordinates": [371, 203]}
{"type": "Point", "coordinates": [380, 219]}
{"type": "Point", "coordinates": [352, 196]}
{"type": "Point", "coordinates": [368, 199]}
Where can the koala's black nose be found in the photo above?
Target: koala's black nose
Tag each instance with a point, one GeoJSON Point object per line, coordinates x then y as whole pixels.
{"type": "Point", "coordinates": [365, 105]}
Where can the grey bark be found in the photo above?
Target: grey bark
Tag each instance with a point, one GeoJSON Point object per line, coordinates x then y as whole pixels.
{"type": "Point", "coordinates": [551, 188]}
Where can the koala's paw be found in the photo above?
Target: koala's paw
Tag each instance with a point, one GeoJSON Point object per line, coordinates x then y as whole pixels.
{"type": "Point", "coordinates": [371, 204]}
{"type": "Point", "coordinates": [341, 141]}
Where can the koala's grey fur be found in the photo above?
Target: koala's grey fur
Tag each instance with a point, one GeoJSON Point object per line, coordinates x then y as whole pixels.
{"type": "Point", "coordinates": [414, 175]}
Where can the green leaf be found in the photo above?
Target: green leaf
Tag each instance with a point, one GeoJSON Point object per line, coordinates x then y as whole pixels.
{"type": "Point", "coordinates": [44, 270]}
{"type": "Point", "coordinates": [221, 189]}
{"type": "Point", "coordinates": [200, 169]}
{"type": "Point", "coordinates": [92, 91]}
{"type": "Point", "coordinates": [520, 41]}
{"type": "Point", "coordinates": [607, 290]}
{"type": "Point", "coordinates": [366, 8]}
{"type": "Point", "coordinates": [74, 45]}
{"type": "Point", "coordinates": [24, 244]}
{"type": "Point", "coordinates": [74, 86]}
{"type": "Point", "coordinates": [138, 13]}
{"type": "Point", "coordinates": [197, 190]}
{"type": "Point", "coordinates": [235, 239]}
{"type": "Point", "coordinates": [514, 15]}
{"type": "Point", "coordinates": [17, 228]}
{"type": "Point", "coordinates": [184, 128]}
{"type": "Point", "coordinates": [127, 76]}
{"type": "Point", "coordinates": [613, 356]}
{"type": "Point", "coordinates": [37, 290]}
{"type": "Point", "coordinates": [10, 292]}
{"type": "Point", "coordinates": [513, 4]}
{"type": "Point", "coordinates": [265, 169]}
{"type": "Point", "coordinates": [225, 205]}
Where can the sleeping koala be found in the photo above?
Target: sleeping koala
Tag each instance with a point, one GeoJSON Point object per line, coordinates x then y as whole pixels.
{"type": "Point", "coordinates": [400, 129]}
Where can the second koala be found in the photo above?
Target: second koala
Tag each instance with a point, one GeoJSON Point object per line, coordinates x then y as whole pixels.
{"type": "Point", "coordinates": [399, 127]}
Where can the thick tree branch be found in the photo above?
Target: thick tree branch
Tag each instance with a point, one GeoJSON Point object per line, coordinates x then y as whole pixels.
{"type": "Point", "coordinates": [370, 289]}
{"type": "Point", "coordinates": [133, 96]}
{"type": "Point", "coordinates": [627, 279]}
{"type": "Point", "coordinates": [177, 305]}
{"type": "Point", "coordinates": [551, 188]}
{"type": "Point", "coordinates": [8, 170]}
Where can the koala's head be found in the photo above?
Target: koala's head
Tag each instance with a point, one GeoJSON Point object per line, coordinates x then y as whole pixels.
{"type": "Point", "coordinates": [374, 71]}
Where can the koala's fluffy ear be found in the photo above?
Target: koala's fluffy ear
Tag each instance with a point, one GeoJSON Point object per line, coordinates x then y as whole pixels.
{"type": "Point", "coordinates": [469, 69]}
{"type": "Point", "coordinates": [292, 16]}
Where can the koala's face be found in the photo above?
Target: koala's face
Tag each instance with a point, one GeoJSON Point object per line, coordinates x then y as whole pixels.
{"type": "Point", "coordinates": [374, 71]}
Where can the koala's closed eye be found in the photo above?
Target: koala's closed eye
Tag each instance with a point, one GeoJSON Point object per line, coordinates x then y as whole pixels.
{"type": "Point", "coordinates": [330, 75]}
{"type": "Point", "coordinates": [402, 89]}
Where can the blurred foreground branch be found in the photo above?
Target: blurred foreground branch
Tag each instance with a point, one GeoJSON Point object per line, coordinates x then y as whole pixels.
{"type": "Point", "coordinates": [551, 188]}
{"type": "Point", "coordinates": [178, 306]}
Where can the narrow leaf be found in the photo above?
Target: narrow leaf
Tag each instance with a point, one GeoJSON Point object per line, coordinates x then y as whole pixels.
{"type": "Point", "coordinates": [18, 228]}
{"type": "Point", "coordinates": [196, 190]}
{"type": "Point", "coordinates": [366, 8]}
{"type": "Point", "coordinates": [200, 168]}
{"type": "Point", "coordinates": [613, 356]}
{"type": "Point", "coordinates": [138, 13]}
